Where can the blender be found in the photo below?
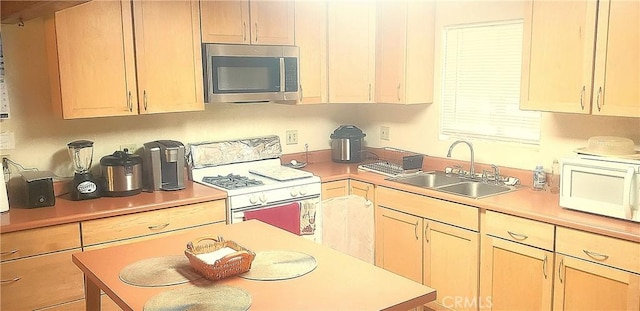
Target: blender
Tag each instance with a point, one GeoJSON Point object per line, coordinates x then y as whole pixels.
{"type": "Point", "coordinates": [83, 185]}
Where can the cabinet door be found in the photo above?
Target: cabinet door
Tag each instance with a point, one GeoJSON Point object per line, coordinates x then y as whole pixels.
{"type": "Point", "coordinates": [169, 56]}
{"type": "Point", "coordinates": [514, 276]}
{"type": "Point", "coordinates": [617, 67]}
{"type": "Point", "coordinates": [93, 73]}
{"type": "Point", "coordinates": [583, 285]}
{"type": "Point", "coordinates": [558, 51]}
{"type": "Point", "coordinates": [351, 41]}
{"type": "Point", "coordinates": [335, 189]}
{"type": "Point", "coordinates": [451, 264]}
{"type": "Point", "coordinates": [391, 43]}
{"type": "Point", "coordinates": [399, 243]}
{"type": "Point", "coordinates": [363, 189]}
{"type": "Point", "coordinates": [225, 21]}
{"type": "Point", "coordinates": [272, 22]}
{"type": "Point", "coordinates": [311, 38]}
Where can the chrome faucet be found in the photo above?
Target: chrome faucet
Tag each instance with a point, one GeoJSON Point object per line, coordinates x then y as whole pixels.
{"type": "Point", "coordinates": [472, 171]}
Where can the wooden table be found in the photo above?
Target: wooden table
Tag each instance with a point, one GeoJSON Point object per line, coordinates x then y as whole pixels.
{"type": "Point", "coordinates": [340, 282]}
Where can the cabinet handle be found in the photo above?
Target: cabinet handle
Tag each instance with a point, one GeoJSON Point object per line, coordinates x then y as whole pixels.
{"type": "Point", "coordinates": [369, 91]}
{"type": "Point", "coordinates": [544, 266]}
{"type": "Point", "coordinates": [415, 231]}
{"type": "Point", "coordinates": [145, 100]}
{"type": "Point", "coordinates": [16, 279]}
{"type": "Point", "coordinates": [398, 92]}
{"type": "Point", "coordinates": [560, 270]}
{"type": "Point", "coordinates": [517, 236]}
{"type": "Point", "coordinates": [582, 97]}
{"type": "Point", "coordinates": [13, 251]}
{"type": "Point", "coordinates": [596, 256]}
{"type": "Point", "coordinates": [158, 227]}
{"type": "Point", "coordinates": [256, 38]}
{"type": "Point", "coordinates": [130, 102]}
{"type": "Point", "coordinates": [301, 92]}
{"type": "Point", "coordinates": [598, 98]}
{"type": "Point", "coordinates": [244, 31]}
{"type": "Point", "coordinates": [426, 232]}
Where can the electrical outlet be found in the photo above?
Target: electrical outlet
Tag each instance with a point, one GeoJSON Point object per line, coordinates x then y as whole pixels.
{"type": "Point", "coordinates": [292, 137]}
{"type": "Point", "coordinates": [5, 164]}
{"type": "Point", "coordinates": [384, 133]}
{"type": "Point", "coordinates": [130, 147]}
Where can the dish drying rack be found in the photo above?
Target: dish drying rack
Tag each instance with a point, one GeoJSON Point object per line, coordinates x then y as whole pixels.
{"type": "Point", "coordinates": [394, 162]}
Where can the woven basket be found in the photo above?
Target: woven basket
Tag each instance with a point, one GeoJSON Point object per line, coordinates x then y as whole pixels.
{"type": "Point", "coordinates": [232, 264]}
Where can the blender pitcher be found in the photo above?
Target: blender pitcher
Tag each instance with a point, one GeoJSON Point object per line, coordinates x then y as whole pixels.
{"type": "Point", "coordinates": [83, 185]}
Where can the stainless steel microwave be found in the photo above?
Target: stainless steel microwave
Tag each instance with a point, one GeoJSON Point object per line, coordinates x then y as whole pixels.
{"type": "Point", "coordinates": [251, 73]}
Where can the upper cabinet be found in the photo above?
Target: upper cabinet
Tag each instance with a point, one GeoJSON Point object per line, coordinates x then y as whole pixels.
{"type": "Point", "coordinates": [351, 51]}
{"type": "Point", "coordinates": [404, 52]}
{"type": "Point", "coordinates": [248, 22]}
{"type": "Point", "coordinates": [311, 38]}
{"type": "Point", "coordinates": [568, 67]}
{"type": "Point", "coordinates": [98, 69]}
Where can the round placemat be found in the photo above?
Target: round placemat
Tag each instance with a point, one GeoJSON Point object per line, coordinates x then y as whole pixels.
{"type": "Point", "coordinates": [280, 265]}
{"type": "Point", "coordinates": [210, 298]}
{"type": "Point", "coordinates": [159, 271]}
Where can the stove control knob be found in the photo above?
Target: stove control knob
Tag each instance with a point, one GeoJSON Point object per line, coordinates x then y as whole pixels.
{"type": "Point", "coordinates": [294, 192]}
{"type": "Point", "coordinates": [303, 190]}
{"type": "Point", "coordinates": [263, 198]}
{"type": "Point", "coordinates": [253, 199]}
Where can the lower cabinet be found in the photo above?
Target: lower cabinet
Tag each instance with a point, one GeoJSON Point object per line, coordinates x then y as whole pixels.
{"type": "Point", "coordinates": [431, 241]}
{"type": "Point", "coordinates": [334, 189]}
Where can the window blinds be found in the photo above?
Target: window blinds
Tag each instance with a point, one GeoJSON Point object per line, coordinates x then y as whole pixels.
{"type": "Point", "coordinates": [481, 84]}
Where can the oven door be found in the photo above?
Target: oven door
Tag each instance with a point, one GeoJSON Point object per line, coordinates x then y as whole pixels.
{"type": "Point", "coordinates": [598, 187]}
{"type": "Point", "coordinates": [301, 217]}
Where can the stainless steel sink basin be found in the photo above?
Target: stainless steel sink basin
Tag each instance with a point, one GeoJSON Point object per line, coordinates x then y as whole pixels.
{"type": "Point", "coordinates": [428, 179]}
{"type": "Point", "coordinates": [475, 189]}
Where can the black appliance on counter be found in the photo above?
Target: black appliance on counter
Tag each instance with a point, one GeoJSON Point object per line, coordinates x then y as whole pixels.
{"type": "Point", "coordinates": [38, 188]}
{"type": "Point", "coordinates": [164, 165]}
{"type": "Point", "coordinates": [83, 185]}
{"type": "Point", "coordinates": [121, 174]}
{"type": "Point", "coordinates": [346, 144]}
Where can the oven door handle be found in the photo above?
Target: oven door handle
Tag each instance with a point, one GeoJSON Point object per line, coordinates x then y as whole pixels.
{"type": "Point", "coordinates": [626, 200]}
{"type": "Point", "coordinates": [275, 203]}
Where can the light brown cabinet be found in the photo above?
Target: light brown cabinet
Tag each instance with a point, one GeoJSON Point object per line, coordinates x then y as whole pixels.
{"type": "Point", "coordinates": [351, 51]}
{"type": "Point", "coordinates": [404, 52]}
{"type": "Point", "coordinates": [569, 67]}
{"type": "Point", "coordinates": [36, 275]}
{"type": "Point", "coordinates": [311, 38]}
{"type": "Point", "coordinates": [334, 189]}
{"type": "Point", "coordinates": [248, 22]}
{"type": "Point", "coordinates": [432, 241]}
{"type": "Point", "coordinates": [517, 263]}
{"type": "Point", "coordinates": [362, 189]}
{"type": "Point", "coordinates": [98, 69]}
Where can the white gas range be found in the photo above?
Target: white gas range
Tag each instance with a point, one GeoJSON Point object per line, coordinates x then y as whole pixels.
{"type": "Point", "coordinates": [254, 180]}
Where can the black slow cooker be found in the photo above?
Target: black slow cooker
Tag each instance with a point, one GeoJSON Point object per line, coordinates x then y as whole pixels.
{"type": "Point", "coordinates": [346, 144]}
{"type": "Point", "coordinates": [121, 173]}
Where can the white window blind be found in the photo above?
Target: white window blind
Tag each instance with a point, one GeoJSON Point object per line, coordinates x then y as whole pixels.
{"type": "Point", "coordinates": [481, 84]}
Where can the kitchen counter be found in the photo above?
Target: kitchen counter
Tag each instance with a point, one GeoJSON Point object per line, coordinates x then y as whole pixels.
{"type": "Point", "coordinates": [339, 282]}
{"type": "Point", "coordinates": [67, 211]}
{"type": "Point", "coordinates": [527, 203]}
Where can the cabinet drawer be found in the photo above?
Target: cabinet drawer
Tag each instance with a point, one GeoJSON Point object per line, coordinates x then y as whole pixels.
{"type": "Point", "coordinates": [529, 232]}
{"type": "Point", "coordinates": [40, 281]}
{"type": "Point", "coordinates": [597, 248]}
{"type": "Point", "coordinates": [39, 241]}
{"type": "Point", "coordinates": [152, 222]}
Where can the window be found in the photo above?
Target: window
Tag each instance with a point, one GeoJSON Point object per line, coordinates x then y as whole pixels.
{"type": "Point", "coordinates": [481, 84]}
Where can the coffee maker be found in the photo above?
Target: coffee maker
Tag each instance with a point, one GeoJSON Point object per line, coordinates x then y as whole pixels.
{"type": "Point", "coordinates": [163, 165]}
{"type": "Point", "coordinates": [83, 185]}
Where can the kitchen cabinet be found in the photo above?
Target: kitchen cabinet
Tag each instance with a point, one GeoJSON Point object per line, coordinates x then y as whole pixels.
{"type": "Point", "coordinates": [125, 227]}
{"type": "Point", "coordinates": [431, 240]}
{"type": "Point", "coordinates": [363, 189]}
{"type": "Point", "coordinates": [334, 189]}
{"type": "Point", "coordinates": [517, 263]}
{"type": "Point", "coordinates": [404, 52]}
{"type": "Point", "coordinates": [97, 69]}
{"type": "Point", "coordinates": [36, 269]}
{"type": "Point", "coordinates": [569, 67]}
{"type": "Point", "coordinates": [248, 22]}
{"type": "Point", "coordinates": [311, 38]}
{"type": "Point", "coordinates": [595, 272]}
{"type": "Point", "coordinates": [351, 51]}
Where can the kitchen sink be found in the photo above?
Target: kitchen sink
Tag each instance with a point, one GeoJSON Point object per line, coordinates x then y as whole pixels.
{"type": "Point", "coordinates": [433, 179]}
{"type": "Point", "coordinates": [474, 189]}
{"type": "Point", "coordinates": [438, 180]}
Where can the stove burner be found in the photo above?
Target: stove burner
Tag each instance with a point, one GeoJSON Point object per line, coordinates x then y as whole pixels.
{"type": "Point", "coordinates": [232, 181]}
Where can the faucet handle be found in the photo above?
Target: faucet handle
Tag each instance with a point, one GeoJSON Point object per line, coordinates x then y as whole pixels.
{"type": "Point", "coordinates": [496, 173]}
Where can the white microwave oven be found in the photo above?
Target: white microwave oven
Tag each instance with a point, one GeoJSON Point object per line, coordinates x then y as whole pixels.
{"type": "Point", "coordinates": [251, 73]}
{"type": "Point", "coordinates": [600, 185]}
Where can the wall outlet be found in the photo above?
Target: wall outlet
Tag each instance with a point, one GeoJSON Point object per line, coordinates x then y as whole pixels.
{"type": "Point", "coordinates": [292, 137]}
{"type": "Point", "coordinates": [130, 147]}
{"type": "Point", "coordinates": [384, 133]}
